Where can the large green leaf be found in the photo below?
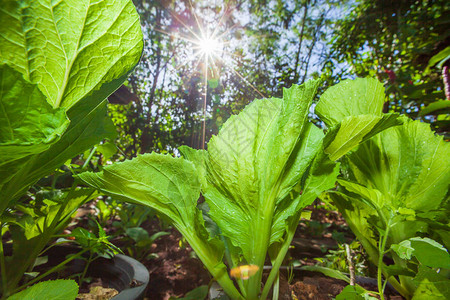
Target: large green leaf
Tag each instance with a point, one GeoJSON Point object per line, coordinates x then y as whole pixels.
{"type": "Point", "coordinates": [71, 48]}
{"type": "Point", "coordinates": [50, 290]}
{"type": "Point", "coordinates": [77, 53]}
{"type": "Point", "coordinates": [254, 163]}
{"type": "Point", "coordinates": [354, 130]}
{"type": "Point", "coordinates": [362, 96]}
{"type": "Point", "coordinates": [399, 179]}
{"type": "Point", "coordinates": [431, 285]}
{"type": "Point", "coordinates": [408, 164]}
{"type": "Point", "coordinates": [435, 108]}
{"type": "Point", "coordinates": [167, 184]}
{"type": "Point", "coordinates": [352, 110]}
{"type": "Point", "coordinates": [28, 124]}
{"type": "Point", "coordinates": [170, 186]}
{"type": "Point", "coordinates": [89, 125]}
{"type": "Point", "coordinates": [427, 251]}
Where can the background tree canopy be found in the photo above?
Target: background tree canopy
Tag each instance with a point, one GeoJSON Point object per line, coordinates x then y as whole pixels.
{"type": "Point", "coordinates": [268, 45]}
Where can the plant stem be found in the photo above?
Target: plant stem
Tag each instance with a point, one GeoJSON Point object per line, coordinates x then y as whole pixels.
{"type": "Point", "coordinates": [205, 253]}
{"type": "Point", "coordinates": [54, 269]}
{"type": "Point", "coordinates": [89, 158]}
{"type": "Point", "coordinates": [281, 254]}
{"type": "Point", "coordinates": [351, 269]}
{"type": "Point", "coordinates": [261, 245]}
{"type": "Point", "coordinates": [276, 287]}
{"type": "Point", "coordinates": [86, 268]}
{"type": "Point", "coordinates": [40, 243]}
{"type": "Point", "coordinates": [3, 265]}
{"type": "Point", "coordinates": [381, 247]}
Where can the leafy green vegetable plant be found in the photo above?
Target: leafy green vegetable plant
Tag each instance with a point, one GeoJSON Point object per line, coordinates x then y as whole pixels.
{"type": "Point", "coordinates": [264, 166]}
{"type": "Point", "coordinates": [394, 189]}
{"type": "Point", "coordinates": [337, 259]}
{"type": "Point", "coordinates": [134, 240]}
{"type": "Point", "coordinates": [98, 245]}
{"type": "Point", "coordinates": [58, 63]}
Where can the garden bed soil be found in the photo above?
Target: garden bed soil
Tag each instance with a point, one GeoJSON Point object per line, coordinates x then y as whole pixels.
{"type": "Point", "coordinates": [175, 270]}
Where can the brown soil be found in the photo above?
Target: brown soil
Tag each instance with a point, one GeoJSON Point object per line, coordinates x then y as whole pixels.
{"type": "Point", "coordinates": [175, 271]}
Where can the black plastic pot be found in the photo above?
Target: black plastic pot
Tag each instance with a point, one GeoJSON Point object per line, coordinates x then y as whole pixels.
{"type": "Point", "coordinates": [124, 274]}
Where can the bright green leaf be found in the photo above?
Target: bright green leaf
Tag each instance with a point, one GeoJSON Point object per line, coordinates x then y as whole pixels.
{"type": "Point", "coordinates": [362, 96]}
{"type": "Point", "coordinates": [431, 285]}
{"type": "Point", "coordinates": [351, 292]}
{"type": "Point", "coordinates": [439, 59]}
{"type": "Point", "coordinates": [28, 124]}
{"type": "Point", "coordinates": [430, 253]}
{"type": "Point", "coordinates": [73, 49]}
{"type": "Point", "coordinates": [49, 290]}
{"type": "Point", "coordinates": [404, 249]}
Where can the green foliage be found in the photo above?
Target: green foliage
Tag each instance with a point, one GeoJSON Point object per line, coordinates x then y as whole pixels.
{"type": "Point", "coordinates": [58, 63]}
{"type": "Point", "coordinates": [250, 177]}
{"type": "Point", "coordinates": [399, 43]}
{"type": "Point", "coordinates": [428, 252]}
{"type": "Point", "coordinates": [78, 58]}
{"type": "Point", "coordinates": [98, 245]}
{"type": "Point", "coordinates": [51, 290]}
{"type": "Point", "coordinates": [430, 285]}
{"type": "Point", "coordinates": [72, 73]}
{"type": "Point", "coordinates": [337, 259]}
{"type": "Point", "coordinates": [439, 59]}
{"type": "Point", "coordinates": [327, 272]}
{"type": "Point", "coordinates": [354, 293]}
{"type": "Point", "coordinates": [351, 125]}
{"type": "Point", "coordinates": [29, 125]}
{"type": "Point", "coordinates": [394, 188]}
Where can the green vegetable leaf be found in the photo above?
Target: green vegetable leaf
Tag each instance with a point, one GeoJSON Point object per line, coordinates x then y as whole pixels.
{"type": "Point", "coordinates": [435, 108]}
{"type": "Point", "coordinates": [73, 50]}
{"type": "Point", "coordinates": [352, 110]}
{"type": "Point", "coordinates": [89, 125]}
{"type": "Point", "coordinates": [267, 147]}
{"type": "Point", "coordinates": [137, 234]}
{"type": "Point", "coordinates": [162, 182]}
{"type": "Point", "coordinates": [199, 293]}
{"type": "Point", "coordinates": [362, 96]}
{"type": "Point", "coordinates": [408, 164]}
{"type": "Point", "coordinates": [431, 285]}
{"type": "Point", "coordinates": [439, 59]}
{"type": "Point", "coordinates": [395, 270]}
{"type": "Point", "coordinates": [399, 178]}
{"type": "Point", "coordinates": [427, 251]}
{"type": "Point", "coordinates": [28, 124]}
{"type": "Point", "coordinates": [352, 131]}
{"type": "Point", "coordinates": [327, 272]}
{"type": "Point", "coordinates": [51, 290]}
{"type": "Point", "coordinates": [77, 53]}
{"type": "Point", "coordinates": [351, 292]}
{"type": "Point", "coordinates": [170, 186]}
{"type": "Point", "coordinates": [404, 249]}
